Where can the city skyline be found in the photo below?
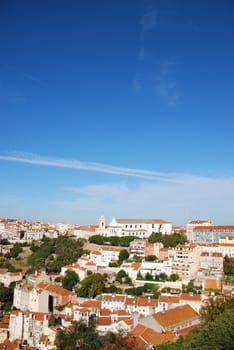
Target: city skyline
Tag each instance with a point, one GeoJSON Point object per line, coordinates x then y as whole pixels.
{"type": "Point", "coordinates": [118, 108]}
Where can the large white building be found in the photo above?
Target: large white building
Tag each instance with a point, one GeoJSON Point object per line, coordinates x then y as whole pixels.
{"type": "Point", "coordinates": [141, 228]}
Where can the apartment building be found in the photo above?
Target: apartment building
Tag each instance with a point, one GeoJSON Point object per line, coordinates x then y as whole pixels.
{"type": "Point", "coordinates": [143, 248]}
{"type": "Point", "coordinates": [211, 234]}
{"type": "Point", "coordinates": [211, 264]}
{"type": "Point", "coordinates": [186, 261]}
{"type": "Point", "coordinates": [194, 223]}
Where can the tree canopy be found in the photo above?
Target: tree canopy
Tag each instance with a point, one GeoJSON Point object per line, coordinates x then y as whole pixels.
{"type": "Point", "coordinates": [168, 240]}
{"type": "Point", "coordinates": [70, 279]}
{"type": "Point", "coordinates": [52, 254]}
{"type": "Point", "coordinates": [91, 286]}
{"type": "Point", "coordinates": [112, 240]}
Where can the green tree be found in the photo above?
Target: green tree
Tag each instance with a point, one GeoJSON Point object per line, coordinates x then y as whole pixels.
{"type": "Point", "coordinates": [174, 277]}
{"type": "Point", "coordinates": [120, 276]}
{"type": "Point", "coordinates": [168, 240]}
{"type": "Point", "coordinates": [80, 337]}
{"type": "Point", "coordinates": [70, 280]}
{"type": "Point", "coordinates": [148, 277]}
{"type": "Point", "coordinates": [91, 286]}
{"type": "Point", "coordinates": [162, 277]}
{"type": "Point", "coordinates": [228, 265]}
{"type": "Point", "coordinates": [123, 255]}
{"type": "Point", "coordinates": [151, 258]}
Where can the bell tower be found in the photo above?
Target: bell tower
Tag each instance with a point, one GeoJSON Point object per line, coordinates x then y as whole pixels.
{"type": "Point", "coordinates": [101, 222]}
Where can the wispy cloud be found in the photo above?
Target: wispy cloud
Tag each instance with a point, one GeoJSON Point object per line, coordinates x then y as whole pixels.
{"type": "Point", "coordinates": [29, 158]}
{"type": "Point", "coordinates": [166, 86]}
{"type": "Point", "coordinates": [147, 23]}
{"type": "Point", "coordinates": [151, 175]}
{"type": "Point", "coordinates": [155, 194]}
{"type": "Point", "coordinates": [178, 202]}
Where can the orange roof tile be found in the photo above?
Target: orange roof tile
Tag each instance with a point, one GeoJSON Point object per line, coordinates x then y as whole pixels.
{"type": "Point", "coordinates": [213, 283]}
{"type": "Point", "coordinates": [104, 321]}
{"type": "Point", "coordinates": [192, 297]}
{"type": "Point", "coordinates": [91, 303]}
{"type": "Point", "coordinates": [224, 228]}
{"type": "Point", "coordinates": [176, 315]}
{"type": "Point", "coordinates": [148, 335]}
{"type": "Point", "coordinates": [169, 299]}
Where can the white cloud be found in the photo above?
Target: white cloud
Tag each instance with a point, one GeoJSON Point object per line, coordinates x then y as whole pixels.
{"type": "Point", "coordinates": [147, 24]}
{"type": "Point", "coordinates": [166, 86]}
{"type": "Point", "coordinates": [187, 198]}
{"type": "Point", "coordinates": [29, 158]}
{"type": "Point", "coordinates": [168, 91]}
{"type": "Point", "coordinates": [176, 197]}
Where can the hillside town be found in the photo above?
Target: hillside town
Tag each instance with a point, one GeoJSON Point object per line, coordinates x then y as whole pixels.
{"type": "Point", "coordinates": [129, 276]}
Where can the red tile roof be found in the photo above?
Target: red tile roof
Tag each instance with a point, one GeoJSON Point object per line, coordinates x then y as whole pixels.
{"type": "Point", "coordinates": [213, 283]}
{"type": "Point", "coordinates": [176, 315]}
{"type": "Point", "coordinates": [191, 297]}
{"type": "Point", "coordinates": [168, 299]}
{"type": "Point", "coordinates": [148, 335]}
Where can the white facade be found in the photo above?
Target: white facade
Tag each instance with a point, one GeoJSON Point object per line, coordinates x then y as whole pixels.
{"type": "Point", "coordinates": [21, 297]}
{"type": "Point", "coordinates": [186, 261]}
{"type": "Point", "coordinates": [104, 256]}
{"type": "Point", "coordinates": [28, 326]}
{"type": "Point", "coordinates": [7, 278]}
{"type": "Point", "coordinates": [38, 300]}
{"type": "Point", "coordinates": [155, 268]}
{"type": "Point", "coordinates": [31, 235]}
{"type": "Point", "coordinates": [141, 228]}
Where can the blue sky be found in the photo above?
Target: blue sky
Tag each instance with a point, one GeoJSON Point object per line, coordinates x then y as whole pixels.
{"type": "Point", "coordinates": [123, 108]}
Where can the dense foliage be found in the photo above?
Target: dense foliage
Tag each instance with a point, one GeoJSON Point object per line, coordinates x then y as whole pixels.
{"type": "Point", "coordinates": [168, 240]}
{"type": "Point", "coordinates": [52, 254]}
{"type": "Point", "coordinates": [91, 286]}
{"type": "Point", "coordinates": [228, 266]}
{"type": "Point", "coordinates": [70, 279]}
{"type": "Point", "coordinates": [6, 296]}
{"type": "Point", "coordinates": [113, 240]}
{"type": "Point", "coordinates": [83, 336]}
{"type": "Point", "coordinates": [147, 289]}
{"type": "Point", "coordinates": [14, 251]}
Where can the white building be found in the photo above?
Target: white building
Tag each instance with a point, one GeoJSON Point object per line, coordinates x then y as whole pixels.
{"type": "Point", "coordinates": [186, 261]}
{"type": "Point", "coordinates": [6, 278]}
{"type": "Point", "coordinates": [104, 256]}
{"type": "Point", "coordinates": [155, 268]}
{"type": "Point", "coordinates": [21, 297]}
{"type": "Point", "coordinates": [28, 326]}
{"type": "Point", "coordinates": [33, 235]}
{"type": "Point", "coordinates": [141, 228]}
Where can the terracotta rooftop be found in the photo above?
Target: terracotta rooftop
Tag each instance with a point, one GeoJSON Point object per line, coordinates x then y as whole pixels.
{"type": "Point", "coordinates": [224, 228]}
{"type": "Point", "coordinates": [148, 335]}
{"type": "Point", "coordinates": [213, 283]}
{"type": "Point", "coordinates": [191, 297]}
{"type": "Point", "coordinates": [176, 315]}
{"type": "Point", "coordinates": [169, 299]}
